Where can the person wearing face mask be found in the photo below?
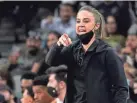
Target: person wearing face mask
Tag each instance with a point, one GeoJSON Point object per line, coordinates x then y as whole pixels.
{"type": "Point", "coordinates": [95, 72]}
{"type": "Point", "coordinates": [31, 52]}
{"type": "Point", "coordinates": [57, 79]}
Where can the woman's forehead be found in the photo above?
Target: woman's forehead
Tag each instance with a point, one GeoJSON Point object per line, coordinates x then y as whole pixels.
{"type": "Point", "coordinates": [85, 14]}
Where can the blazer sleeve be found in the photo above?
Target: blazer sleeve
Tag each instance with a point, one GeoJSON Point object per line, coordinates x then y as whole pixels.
{"type": "Point", "coordinates": [117, 77]}
{"type": "Point", "coordinates": [58, 55]}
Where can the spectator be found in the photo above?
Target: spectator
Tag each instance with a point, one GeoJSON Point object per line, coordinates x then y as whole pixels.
{"type": "Point", "coordinates": [130, 72]}
{"type": "Point", "coordinates": [57, 79]}
{"type": "Point", "coordinates": [31, 52]}
{"type": "Point", "coordinates": [47, 21]}
{"type": "Point", "coordinates": [41, 94]}
{"type": "Point", "coordinates": [111, 25]}
{"type": "Point", "coordinates": [130, 52]}
{"type": "Point", "coordinates": [6, 79]}
{"type": "Point", "coordinates": [66, 22]}
{"type": "Point", "coordinates": [53, 37]}
{"type": "Point", "coordinates": [28, 96]}
{"type": "Point", "coordinates": [131, 45]}
{"type": "Point", "coordinates": [8, 95]}
{"type": "Point", "coordinates": [115, 39]}
{"type": "Point", "coordinates": [27, 80]}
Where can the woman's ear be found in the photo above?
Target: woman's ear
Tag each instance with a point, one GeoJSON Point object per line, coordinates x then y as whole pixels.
{"type": "Point", "coordinates": [97, 26]}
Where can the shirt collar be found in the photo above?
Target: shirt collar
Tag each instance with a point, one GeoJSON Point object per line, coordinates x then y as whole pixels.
{"type": "Point", "coordinates": [91, 48]}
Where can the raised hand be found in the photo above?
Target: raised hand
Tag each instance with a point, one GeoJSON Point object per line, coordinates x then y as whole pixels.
{"type": "Point", "coordinates": [64, 40]}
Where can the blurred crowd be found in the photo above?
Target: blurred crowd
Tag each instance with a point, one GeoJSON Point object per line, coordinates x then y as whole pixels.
{"type": "Point", "coordinates": [29, 29]}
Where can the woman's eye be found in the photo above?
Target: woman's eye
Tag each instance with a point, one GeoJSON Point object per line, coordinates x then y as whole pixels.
{"type": "Point", "coordinates": [78, 21]}
{"type": "Point", "coordinates": [86, 21]}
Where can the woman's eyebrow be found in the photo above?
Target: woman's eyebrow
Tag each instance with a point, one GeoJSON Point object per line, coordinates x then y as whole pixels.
{"type": "Point", "coordinates": [77, 18]}
{"type": "Point", "coordinates": [86, 19]}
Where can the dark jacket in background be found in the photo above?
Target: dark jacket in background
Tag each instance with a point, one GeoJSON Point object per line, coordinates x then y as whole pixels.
{"type": "Point", "coordinates": [105, 81]}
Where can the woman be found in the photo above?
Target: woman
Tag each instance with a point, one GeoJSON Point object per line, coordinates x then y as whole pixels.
{"type": "Point", "coordinates": [52, 38]}
{"type": "Point", "coordinates": [114, 39]}
{"type": "Point", "coordinates": [96, 73]}
{"type": "Point", "coordinates": [28, 96]}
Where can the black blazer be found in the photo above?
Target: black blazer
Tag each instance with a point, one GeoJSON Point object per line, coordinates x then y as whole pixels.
{"type": "Point", "coordinates": [102, 68]}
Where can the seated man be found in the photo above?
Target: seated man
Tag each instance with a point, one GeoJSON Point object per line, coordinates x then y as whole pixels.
{"type": "Point", "coordinates": [57, 79]}
{"type": "Point", "coordinates": [27, 80]}
{"type": "Point", "coordinates": [42, 94]}
{"type": "Point", "coordinates": [31, 52]}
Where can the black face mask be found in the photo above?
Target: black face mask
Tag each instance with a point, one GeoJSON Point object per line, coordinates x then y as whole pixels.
{"type": "Point", "coordinates": [85, 38]}
{"type": "Point", "coordinates": [52, 91]}
{"type": "Point", "coordinates": [33, 51]}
